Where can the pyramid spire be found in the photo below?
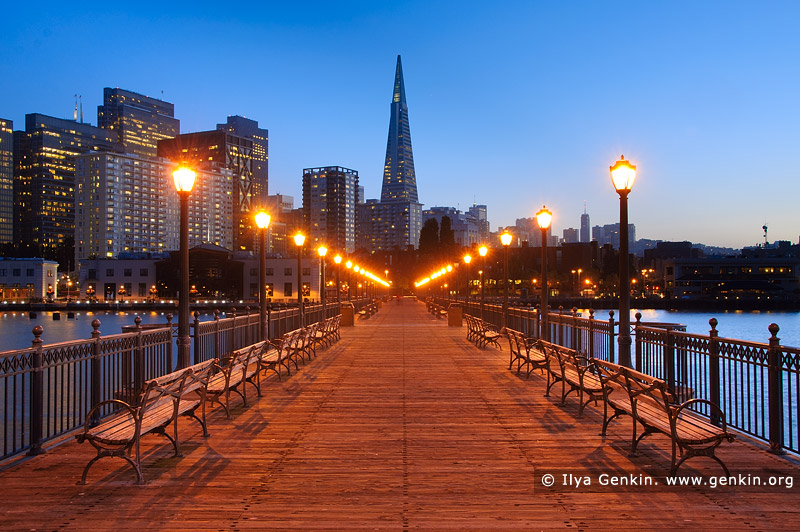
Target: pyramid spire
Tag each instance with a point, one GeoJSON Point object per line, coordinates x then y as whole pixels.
{"type": "Point", "coordinates": [399, 88]}
{"type": "Point", "coordinates": [399, 178]}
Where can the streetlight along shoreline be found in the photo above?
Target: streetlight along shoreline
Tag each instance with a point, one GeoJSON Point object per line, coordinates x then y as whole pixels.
{"type": "Point", "coordinates": [623, 174]}
{"type": "Point", "coordinates": [184, 179]}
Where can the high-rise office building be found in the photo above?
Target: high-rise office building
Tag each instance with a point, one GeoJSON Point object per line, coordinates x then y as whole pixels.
{"type": "Point", "coordinates": [204, 150]}
{"type": "Point", "coordinates": [44, 178]}
{"type": "Point", "coordinates": [128, 204]}
{"type": "Point", "coordinates": [139, 121]}
{"type": "Point", "coordinates": [329, 206]}
{"type": "Point", "coordinates": [480, 214]}
{"type": "Point", "coordinates": [244, 127]}
{"type": "Point", "coordinates": [6, 181]}
{"type": "Point", "coordinates": [397, 219]}
{"type": "Point", "coordinates": [585, 227]}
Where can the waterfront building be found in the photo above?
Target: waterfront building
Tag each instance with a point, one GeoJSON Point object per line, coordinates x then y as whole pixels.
{"type": "Point", "coordinates": [207, 150]}
{"type": "Point", "coordinates": [329, 207]}
{"type": "Point", "coordinates": [139, 121]}
{"type": "Point", "coordinates": [397, 219]}
{"type": "Point", "coordinates": [6, 181]}
{"type": "Point", "coordinates": [732, 278]}
{"type": "Point", "coordinates": [28, 279]}
{"type": "Point", "coordinates": [129, 278]}
{"type": "Point", "coordinates": [44, 178]}
{"type": "Point", "coordinates": [128, 204]}
{"type": "Point", "coordinates": [282, 279]}
{"type": "Point", "coordinates": [527, 230]}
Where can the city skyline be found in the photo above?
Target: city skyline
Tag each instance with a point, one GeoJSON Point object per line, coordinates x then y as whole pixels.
{"type": "Point", "coordinates": [534, 98]}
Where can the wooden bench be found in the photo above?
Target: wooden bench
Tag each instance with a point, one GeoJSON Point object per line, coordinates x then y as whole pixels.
{"type": "Point", "coordinates": [482, 333]}
{"type": "Point", "coordinates": [160, 404]}
{"type": "Point", "coordinates": [648, 401]}
{"type": "Point", "coordinates": [575, 372]}
{"type": "Point", "coordinates": [233, 375]}
{"type": "Point", "coordinates": [525, 352]}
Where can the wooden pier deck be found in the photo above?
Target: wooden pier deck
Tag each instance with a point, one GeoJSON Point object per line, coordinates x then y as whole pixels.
{"type": "Point", "coordinates": [401, 425]}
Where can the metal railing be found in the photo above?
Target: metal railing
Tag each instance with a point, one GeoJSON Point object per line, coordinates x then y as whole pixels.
{"type": "Point", "coordinates": [757, 385]}
{"type": "Point", "coordinates": [46, 391]}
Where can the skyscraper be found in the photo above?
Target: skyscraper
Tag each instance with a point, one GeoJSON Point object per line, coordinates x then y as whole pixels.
{"type": "Point", "coordinates": [585, 227]}
{"type": "Point", "coordinates": [329, 206]}
{"type": "Point", "coordinates": [237, 153]}
{"type": "Point", "coordinates": [128, 204]}
{"type": "Point", "coordinates": [399, 178]}
{"type": "Point", "coordinates": [6, 181]}
{"type": "Point", "coordinates": [397, 219]}
{"type": "Point", "coordinates": [139, 121]}
{"type": "Point", "coordinates": [244, 127]}
{"type": "Point", "coordinates": [44, 179]}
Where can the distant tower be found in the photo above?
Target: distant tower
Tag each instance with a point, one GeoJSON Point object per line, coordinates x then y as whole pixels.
{"type": "Point", "coordinates": [397, 219]}
{"type": "Point", "coordinates": [585, 227]}
{"type": "Point", "coordinates": [399, 179]}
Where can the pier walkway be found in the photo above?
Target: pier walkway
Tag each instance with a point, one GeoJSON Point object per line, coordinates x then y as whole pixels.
{"type": "Point", "coordinates": [401, 425]}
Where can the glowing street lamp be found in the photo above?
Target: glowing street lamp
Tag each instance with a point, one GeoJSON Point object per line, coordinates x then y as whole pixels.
{"type": "Point", "coordinates": [299, 240]}
{"type": "Point", "coordinates": [338, 261]}
{"type": "Point", "coordinates": [505, 239]}
{"type": "Point", "coordinates": [623, 174]}
{"type": "Point", "coordinates": [262, 222]}
{"type": "Point", "coordinates": [184, 179]}
{"type": "Point", "coordinates": [543, 218]}
{"type": "Point", "coordinates": [322, 251]}
{"type": "Point", "coordinates": [482, 251]}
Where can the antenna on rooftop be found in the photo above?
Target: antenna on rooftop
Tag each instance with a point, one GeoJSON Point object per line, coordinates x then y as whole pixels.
{"type": "Point", "coordinates": [764, 227]}
{"type": "Point", "coordinates": [80, 98]}
{"type": "Point", "coordinates": [75, 113]}
{"type": "Point", "coordinates": [584, 206]}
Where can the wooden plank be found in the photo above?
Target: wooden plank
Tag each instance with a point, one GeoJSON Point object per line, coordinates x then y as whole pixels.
{"type": "Point", "coordinates": [401, 424]}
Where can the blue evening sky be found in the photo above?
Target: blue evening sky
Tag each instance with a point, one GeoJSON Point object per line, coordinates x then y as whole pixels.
{"type": "Point", "coordinates": [512, 104]}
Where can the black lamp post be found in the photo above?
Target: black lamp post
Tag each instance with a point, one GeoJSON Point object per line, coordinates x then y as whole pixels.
{"type": "Point", "coordinates": [262, 222]}
{"type": "Point", "coordinates": [623, 175]}
{"type": "Point", "coordinates": [543, 218]}
{"type": "Point", "coordinates": [184, 179]}
{"type": "Point", "coordinates": [505, 239]}
{"type": "Point", "coordinates": [322, 251]}
{"type": "Point", "coordinates": [299, 239]}
{"type": "Point", "coordinates": [482, 252]}
{"type": "Point", "coordinates": [467, 260]}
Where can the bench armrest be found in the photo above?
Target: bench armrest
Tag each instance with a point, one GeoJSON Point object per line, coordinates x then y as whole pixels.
{"type": "Point", "coordinates": [675, 412]}
{"type": "Point", "coordinates": [86, 427]}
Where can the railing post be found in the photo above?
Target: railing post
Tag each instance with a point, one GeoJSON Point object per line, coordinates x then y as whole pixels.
{"type": "Point", "coordinates": [591, 333]}
{"type": "Point", "coordinates": [198, 345]}
{"type": "Point", "coordinates": [169, 344]}
{"type": "Point", "coordinates": [37, 394]}
{"type": "Point", "coordinates": [138, 360]}
{"type": "Point", "coordinates": [669, 361]}
{"type": "Point", "coordinates": [232, 345]}
{"type": "Point", "coordinates": [713, 368]}
{"type": "Point", "coordinates": [611, 334]}
{"type": "Point", "coordinates": [269, 324]}
{"type": "Point", "coordinates": [775, 368]}
{"type": "Point", "coordinates": [638, 345]}
{"type": "Point", "coordinates": [575, 345]}
{"type": "Point", "coordinates": [96, 387]}
{"type": "Point", "coordinates": [217, 339]}
{"type": "Point", "coordinates": [561, 325]}
{"type": "Point", "coordinates": [247, 327]}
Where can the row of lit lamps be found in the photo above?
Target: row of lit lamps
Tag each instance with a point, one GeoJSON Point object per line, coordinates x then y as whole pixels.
{"type": "Point", "coordinates": [623, 174]}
